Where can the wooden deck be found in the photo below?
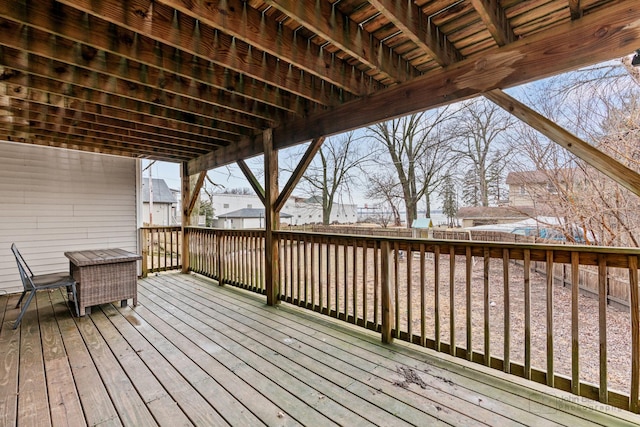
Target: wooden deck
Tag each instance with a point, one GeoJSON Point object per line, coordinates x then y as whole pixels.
{"type": "Point", "coordinates": [195, 353]}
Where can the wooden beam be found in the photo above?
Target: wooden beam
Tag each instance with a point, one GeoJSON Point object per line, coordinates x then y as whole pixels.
{"type": "Point", "coordinates": [185, 220]}
{"type": "Point", "coordinates": [408, 17]}
{"type": "Point", "coordinates": [609, 166]}
{"type": "Point", "coordinates": [295, 177]}
{"type": "Point", "coordinates": [272, 220]}
{"type": "Point", "coordinates": [242, 22]}
{"type": "Point", "coordinates": [195, 192]}
{"type": "Point", "coordinates": [495, 19]}
{"type": "Point", "coordinates": [324, 19]}
{"type": "Point", "coordinates": [606, 33]}
{"type": "Point", "coordinates": [253, 181]}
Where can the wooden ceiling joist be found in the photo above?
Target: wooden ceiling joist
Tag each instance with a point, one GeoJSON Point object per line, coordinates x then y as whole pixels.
{"type": "Point", "coordinates": [323, 19]}
{"type": "Point", "coordinates": [420, 30]}
{"type": "Point", "coordinates": [495, 19]}
{"type": "Point", "coordinates": [200, 40]}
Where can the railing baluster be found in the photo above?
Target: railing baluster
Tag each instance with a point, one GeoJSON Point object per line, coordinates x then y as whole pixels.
{"type": "Point", "coordinates": [549, 272]}
{"type": "Point", "coordinates": [306, 263]}
{"type": "Point", "coordinates": [328, 271]}
{"type": "Point", "coordinates": [336, 276]}
{"type": "Point", "coordinates": [487, 337]}
{"type": "Point", "coordinates": [423, 299]}
{"type": "Point", "coordinates": [452, 300]}
{"type": "Point", "coordinates": [527, 314]}
{"type": "Point", "coordinates": [507, 312]}
{"type": "Point", "coordinates": [354, 287]}
{"type": "Point", "coordinates": [436, 296]}
{"type": "Point", "coordinates": [376, 281]}
{"type": "Point", "coordinates": [164, 246]}
{"type": "Point", "coordinates": [602, 326]}
{"type": "Point", "coordinates": [409, 294]}
{"type": "Point", "coordinates": [387, 305]}
{"type": "Point", "coordinates": [396, 287]}
{"type": "Point", "coordinates": [635, 333]}
{"type": "Point", "coordinates": [468, 271]}
{"type": "Point", "coordinates": [345, 279]}
{"type": "Point", "coordinates": [365, 283]}
{"type": "Point", "coordinates": [299, 272]}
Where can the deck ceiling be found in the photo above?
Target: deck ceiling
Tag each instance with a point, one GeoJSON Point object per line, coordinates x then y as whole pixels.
{"type": "Point", "coordinates": [199, 81]}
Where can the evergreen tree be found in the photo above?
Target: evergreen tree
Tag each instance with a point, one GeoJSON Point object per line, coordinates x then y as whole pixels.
{"type": "Point", "coordinates": [471, 193]}
{"type": "Point", "coordinates": [449, 197]}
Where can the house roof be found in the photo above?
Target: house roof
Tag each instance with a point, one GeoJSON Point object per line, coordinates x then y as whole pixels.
{"type": "Point", "coordinates": [250, 213]}
{"type": "Point", "coordinates": [494, 212]}
{"type": "Point", "coordinates": [540, 176]}
{"type": "Point", "coordinates": [200, 82]}
{"type": "Point", "coordinates": [161, 191]}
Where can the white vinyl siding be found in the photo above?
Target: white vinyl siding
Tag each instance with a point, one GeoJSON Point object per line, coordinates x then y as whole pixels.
{"type": "Point", "coordinates": [54, 201]}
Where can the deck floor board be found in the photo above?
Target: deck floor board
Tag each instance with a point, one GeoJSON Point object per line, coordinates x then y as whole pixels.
{"type": "Point", "coordinates": [195, 353]}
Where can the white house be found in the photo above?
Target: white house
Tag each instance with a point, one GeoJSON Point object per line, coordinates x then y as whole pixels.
{"type": "Point", "coordinates": [245, 218]}
{"type": "Point", "coordinates": [165, 205]}
{"type": "Point", "coordinates": [302, 211]}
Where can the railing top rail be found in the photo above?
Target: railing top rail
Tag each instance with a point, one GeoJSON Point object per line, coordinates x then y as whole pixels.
{"type": "Point", "coordinates": [615, 256]}
{"type": "Point", "coordinates": [161, 227]}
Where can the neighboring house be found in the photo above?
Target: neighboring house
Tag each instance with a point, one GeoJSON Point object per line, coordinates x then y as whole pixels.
{"type": "Point", "coordinates": [534, 188]}
{"type": "Point", "coordinates": [245, 218]}
{"type": "Point", "coordinates": [164, 203]}
{"type": "Point", "coordinates": [479, 215]}
{"type": "Point", "coordinates": [309, 211]}
{"type": "Point", "coordinates": [302, 210]}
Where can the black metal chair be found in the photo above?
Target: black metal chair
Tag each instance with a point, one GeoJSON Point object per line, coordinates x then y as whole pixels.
{"type": "Point", "coordinates": [33, 283]}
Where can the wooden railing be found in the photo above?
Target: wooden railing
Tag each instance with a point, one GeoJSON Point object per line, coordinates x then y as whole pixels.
{"type": "Point", "coordinates": [233, 257]}
{"type": "Point", "coordinates": [161, 248]}
{"type": "Point", "coordinates": [481, 301]}
{"type": "Point", "coordinates": [504, 315]}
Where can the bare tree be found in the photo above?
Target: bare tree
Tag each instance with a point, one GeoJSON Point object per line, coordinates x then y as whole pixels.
{"type": "Point", "coordinates": [589, 206]}
{"type": "Point", "coordinates": [383, 186]}
{"type": "Point", "coordinates": [417, 148]}
{"type": "Point", "coordinates": [333, 171]}
{"type": "Point", "coordinates": [481, 141]}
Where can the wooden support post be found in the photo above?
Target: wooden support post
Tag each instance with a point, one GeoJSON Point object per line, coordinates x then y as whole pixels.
{"type": "Point", "coordinates": [272, 219]}
{"type": "Point", "coordinates": [386, 300]}
{"type": "Point", "coordinates": [185, 220]}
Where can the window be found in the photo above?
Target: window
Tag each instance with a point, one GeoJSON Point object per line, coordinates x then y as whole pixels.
{"type": "Point", "coordinates": [551, 188]}
{"type": "Point", "coordinates": [249, 206]}
{"type": "Point", "coordinates": [225, 206]}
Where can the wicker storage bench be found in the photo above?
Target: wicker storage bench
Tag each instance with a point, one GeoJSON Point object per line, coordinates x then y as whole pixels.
{"type": "Point", "coordinates": [104, 276]}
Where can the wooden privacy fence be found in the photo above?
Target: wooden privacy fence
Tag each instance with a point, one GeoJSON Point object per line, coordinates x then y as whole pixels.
{"type": "Point", "coordinates": [468, 299]}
